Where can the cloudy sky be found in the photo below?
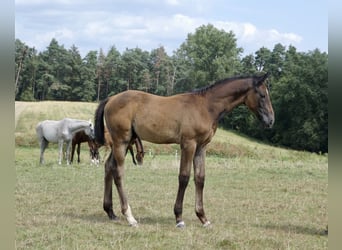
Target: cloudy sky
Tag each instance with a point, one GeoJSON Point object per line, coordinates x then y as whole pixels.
{"type": "Point", "coordinates": [148, 24]}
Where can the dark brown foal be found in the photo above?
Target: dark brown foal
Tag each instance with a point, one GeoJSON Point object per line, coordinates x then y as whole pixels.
{"type": "Point", "coordinates": [135, 141]}
{"type": "Point", "coordinates": [79, 138]}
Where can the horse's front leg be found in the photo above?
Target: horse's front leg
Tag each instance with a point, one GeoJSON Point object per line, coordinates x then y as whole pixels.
{"type": "Point", "coordinates": [199, 177]}
{"type": "Point", "coordinates": [187, 155]}
{"type": "Point", "coordinates": [60, 154]}
{"type": "Point", "coordinates": [118, 174]}
{"type": "Point", "coordinates": [68, 152]}
{"type": "Point", "coordinates": [78, 152]}
{"type": "Point", "coordinates": [108, 184]}
{"type": "Point", "coordinates": [73, 145]}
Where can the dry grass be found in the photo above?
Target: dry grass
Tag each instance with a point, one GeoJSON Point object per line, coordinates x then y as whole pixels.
{"type": "Point", "coordinates": [258, 197]}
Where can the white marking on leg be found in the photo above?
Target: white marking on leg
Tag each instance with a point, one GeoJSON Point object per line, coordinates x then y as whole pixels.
{"type": "Point", "coordinates": [131, 221]}
{"type": "Point", "coordinates": [180, 224]}
{"type": "Point", "coordinates": [207, 224]}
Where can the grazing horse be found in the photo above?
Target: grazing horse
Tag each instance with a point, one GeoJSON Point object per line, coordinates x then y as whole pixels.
{"type": "Point", "coordinates": [61, 131]}
{"type": "Point", "coordinates": [189, 119]}
{"type": "Point", "coordinates": [138, 145]}
{"type": "Point", "coordinates": [79, 138]}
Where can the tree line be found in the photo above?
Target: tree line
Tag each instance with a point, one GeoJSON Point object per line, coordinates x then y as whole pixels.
{"type": "Point", "coordinates": [298, 81]}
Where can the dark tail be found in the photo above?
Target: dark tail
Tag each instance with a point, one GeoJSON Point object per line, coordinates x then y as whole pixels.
{"type": "Point", "coordinates": [99, 123]}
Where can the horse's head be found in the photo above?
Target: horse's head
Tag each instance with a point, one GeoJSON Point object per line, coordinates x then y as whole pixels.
{"type": "Point", "coordinates": [90, 130]}
{"type": "Point", "coordinates": [140, 157]}
{"type": "Point", "coordinates": [94, 153]}
{"type": "Point", "coordinates": [258, 100]}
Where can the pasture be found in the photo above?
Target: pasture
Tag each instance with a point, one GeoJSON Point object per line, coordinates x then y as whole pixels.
{"type": "Point", "coordinates": [256, 196]}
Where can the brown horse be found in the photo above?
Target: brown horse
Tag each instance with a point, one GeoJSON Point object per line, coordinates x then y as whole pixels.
{"type": "Point", "coordinates": [137, 142]}
{"type": "Point", "coordinates": [188, 119]}
{"type": "Point", "coordinates": [79, 138]}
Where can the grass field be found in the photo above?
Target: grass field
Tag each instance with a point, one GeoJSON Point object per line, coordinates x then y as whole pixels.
{"type": "Point", "coordinates": [256, 196]}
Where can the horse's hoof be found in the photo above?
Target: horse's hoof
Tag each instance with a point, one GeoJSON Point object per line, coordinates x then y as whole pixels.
{"type": "Point", "coordinates": [207, 224]}
{"type": "Point", "coordinates": [113, 217]}
{"type": "Point", "coordinates": [180, 224]}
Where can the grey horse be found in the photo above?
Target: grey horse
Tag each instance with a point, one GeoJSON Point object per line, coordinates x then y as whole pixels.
{"type": "Point", "coordinates": [61, 131]}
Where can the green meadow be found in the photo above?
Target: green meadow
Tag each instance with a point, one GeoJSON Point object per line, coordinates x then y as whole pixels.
{"type": "Point", "coordinates": [257, 196]}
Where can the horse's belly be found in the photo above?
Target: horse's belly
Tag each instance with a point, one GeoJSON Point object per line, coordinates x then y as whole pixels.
{"type": "Point", "coordinates": [160, 139]}
{"type": "Point", "coordinates": [50, 135]}
{"type": "Point", "coordinates": [51, 138]}
{"type": "Point", "coordinates": [158, 134]}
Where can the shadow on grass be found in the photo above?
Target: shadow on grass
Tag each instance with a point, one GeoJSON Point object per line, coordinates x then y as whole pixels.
{"type": "Point", "coordinates": [93, 218]}
{"type": "Point", "coordinates": [156, 220]}
{"type": "Point", "coordinates": [103, 218]}
{"type": "Point", "coordinates": [295, 229]}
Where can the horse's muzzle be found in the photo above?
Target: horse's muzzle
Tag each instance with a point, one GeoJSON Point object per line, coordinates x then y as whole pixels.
{"type": "Point", "coordinates": [267, 121]}
{"type": "Point", "coordinates": [269, 124]}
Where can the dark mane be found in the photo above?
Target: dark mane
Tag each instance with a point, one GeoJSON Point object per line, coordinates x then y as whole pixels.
{"type": "Point", "coordinates": [203, 90]}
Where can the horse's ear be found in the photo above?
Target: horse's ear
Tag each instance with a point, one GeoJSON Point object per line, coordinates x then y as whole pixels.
{"type": "Point", "coordinates": [262, 79]}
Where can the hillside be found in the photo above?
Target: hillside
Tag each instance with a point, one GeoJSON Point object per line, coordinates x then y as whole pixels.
{"type": "Point", "coordinates": [224, 143]}
{"type": "Point", "coordinates": [257, 196]}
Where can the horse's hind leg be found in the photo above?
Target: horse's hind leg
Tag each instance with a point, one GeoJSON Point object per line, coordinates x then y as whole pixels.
{"type": "Point", "coordinates": [43, 145]}
{"type": "Point", "coordinates": [119, 153]}
{"type": "Point", "coordinates": [108, 183]}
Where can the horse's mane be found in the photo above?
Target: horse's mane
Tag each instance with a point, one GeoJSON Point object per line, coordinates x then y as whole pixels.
{"type": "Point", "coordinates": [204, 89]}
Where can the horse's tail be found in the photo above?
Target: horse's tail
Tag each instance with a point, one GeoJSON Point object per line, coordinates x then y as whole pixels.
{"type": "Point", "coordinates": [39, 130]}
{"type": "Point", "coordinates": [99, 123]}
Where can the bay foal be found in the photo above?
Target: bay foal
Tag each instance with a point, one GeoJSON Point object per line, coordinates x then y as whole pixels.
{"type": "Point", "coordinates": [188, 119]}
{"type": "Point", "coordinates": [79, 138]}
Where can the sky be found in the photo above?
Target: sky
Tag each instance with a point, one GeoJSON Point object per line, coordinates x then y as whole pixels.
{"type": "Point", "coordinates": [149, 24]}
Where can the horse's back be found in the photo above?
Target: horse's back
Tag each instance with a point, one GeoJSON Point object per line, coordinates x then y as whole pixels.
{"type": "Point", "coordinates": [154, 118]}
{"type": "Point", "coordinates": [48, 129]}
{"type": "Point", "coordinates": [132, 101]}
{"type": "Point", "coordinates": [80, 137]}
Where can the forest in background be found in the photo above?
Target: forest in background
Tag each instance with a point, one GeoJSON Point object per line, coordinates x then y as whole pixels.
{"type": "Point", "coordinates": [298, 81]}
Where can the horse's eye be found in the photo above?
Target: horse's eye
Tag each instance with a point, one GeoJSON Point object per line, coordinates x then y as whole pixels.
{"type": "Point", "coordinates": [262, 95]}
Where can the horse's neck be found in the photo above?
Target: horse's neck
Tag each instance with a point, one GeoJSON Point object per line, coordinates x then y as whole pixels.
{"type": "Point", "coordinates": [82, 137]}
{"type": "Point", "coordinates": [91, 144]}
{"type": "Point", "coordinates": [225, 97]}
{"type": "Point", "coordinates": [77, 126]}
